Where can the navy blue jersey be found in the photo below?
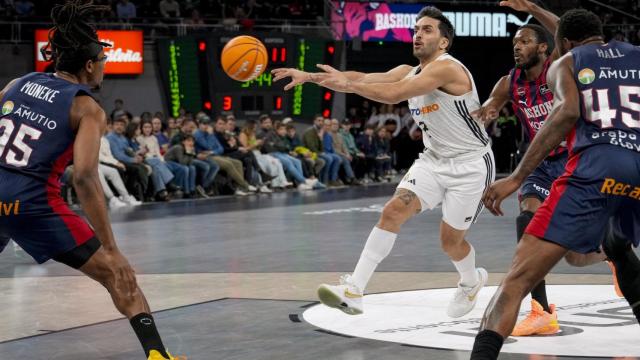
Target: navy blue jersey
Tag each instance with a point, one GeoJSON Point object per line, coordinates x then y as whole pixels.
{"type": "Point", "coordinates": [608, 79]}
{"type": "Point", "coordinates": [36, 138]}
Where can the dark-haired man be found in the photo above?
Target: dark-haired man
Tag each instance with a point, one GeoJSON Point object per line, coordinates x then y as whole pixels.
{"type": "Point", "coordinates": [597, 196]}
{"type": "Point", "coordinates": [34, 152]}
{"type": "Point", "coordinates": [453, 171]}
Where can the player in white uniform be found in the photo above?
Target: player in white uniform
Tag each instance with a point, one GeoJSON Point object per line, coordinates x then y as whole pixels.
{"type": "Point", "coordinates": [454, 170]}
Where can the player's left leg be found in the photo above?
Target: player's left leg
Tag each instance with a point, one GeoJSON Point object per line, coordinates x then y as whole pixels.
{"type": "Point", "coordinates": [501, 313]}
{"type": "Point", "coordinates": [464, 182]}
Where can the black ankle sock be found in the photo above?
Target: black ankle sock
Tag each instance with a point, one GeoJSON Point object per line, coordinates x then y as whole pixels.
{"type": "Point", "coordinates": [487, 345]}
{"type": "Point", "coordinates": [145, 328]}
{"type": "Point", "coordinates": [539, 294]}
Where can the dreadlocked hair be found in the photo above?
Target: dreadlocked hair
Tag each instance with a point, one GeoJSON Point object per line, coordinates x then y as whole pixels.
{"type": "Point", "coordinates": [73, 41]}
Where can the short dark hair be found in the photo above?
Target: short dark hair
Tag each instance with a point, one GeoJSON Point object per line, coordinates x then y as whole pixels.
{"type": "Point", "coordinates": [122, 119]}
{"type": "Point", "coordinates": [579, 24]}
{"type": "Point", "coordinates": [290, 126]}
{"type": "Point", "coordinates": [542, 35]}
{"type": "Point", "coordinates": [187, 137]}
{"type": "Point", "coordinates": [280, 125]}
{"type": "Point", "coordinates": [264, 117]}
{"type": "Point", "coordinates": [445, 26]}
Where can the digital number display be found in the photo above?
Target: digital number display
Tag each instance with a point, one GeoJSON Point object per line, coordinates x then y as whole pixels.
{"type": "Point", "coordinates": [264, 80]}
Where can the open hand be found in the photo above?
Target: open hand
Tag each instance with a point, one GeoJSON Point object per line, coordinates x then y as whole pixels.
{"type": "Point", "coordinates": [497, 192]}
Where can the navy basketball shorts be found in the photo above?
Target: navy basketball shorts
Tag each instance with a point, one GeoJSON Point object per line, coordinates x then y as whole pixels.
{"type": "Point", "coordinates": [36, 217]}
{"type": "Point", "coordinates": [538, 184]}
{"type": "Point", "coordinates": [600, 183]}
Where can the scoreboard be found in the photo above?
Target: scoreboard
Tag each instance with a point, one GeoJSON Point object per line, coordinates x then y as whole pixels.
{"type": "Point", "coordinates": [258, 96]}
{"type": "Point", "coordinates": [193, 77]}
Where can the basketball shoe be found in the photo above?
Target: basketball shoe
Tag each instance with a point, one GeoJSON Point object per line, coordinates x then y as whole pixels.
{"type": "Point", "coordinates": [465, 297]}
{"type": "Point", "coordinates": [538, 322]}
{"type": "Point", "coordinates": [155, 355]}
{"type": "Point", "coordinates": [345, 297]}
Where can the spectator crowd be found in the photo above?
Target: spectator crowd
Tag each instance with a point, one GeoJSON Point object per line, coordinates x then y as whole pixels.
{"type": "Point", "coordinates": [156, 158]}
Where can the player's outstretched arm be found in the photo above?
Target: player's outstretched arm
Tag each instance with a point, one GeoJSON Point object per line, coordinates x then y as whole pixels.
{"type": "Point", "coordinates": [91, 122]}
{"type": "Point", "coordinates": [490, 110]}
{"type": "Point", "coordinates": [565, 113]}
{"type": "Point", "coordinates": [548, 19]}
{"type": "Point", "coordinates": [433, 76]}
{"type": "Point", "coordinates": [300, 77]}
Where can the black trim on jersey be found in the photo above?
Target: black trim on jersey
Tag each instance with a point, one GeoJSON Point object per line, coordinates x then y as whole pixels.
{"type": "Point", "coordinates": [472, 124]}
{"type": "Point", "coordinates": [489, 164]}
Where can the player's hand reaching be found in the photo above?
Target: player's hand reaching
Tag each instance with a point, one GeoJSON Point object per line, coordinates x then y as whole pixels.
{"type": "Point", "coordinates": [485, 113]}
{"type": "Point", "coordinates": [124, 275]}
{"type": "Point", "coordinates": [519, 5]}
{"type": "Point", "coordinates": [499, 191]}
{"type": "Point", "coordinates": [298, 77]}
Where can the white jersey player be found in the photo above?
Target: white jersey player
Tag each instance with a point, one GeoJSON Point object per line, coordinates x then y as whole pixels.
{"type": "Point", "coordinates": [454, 170]}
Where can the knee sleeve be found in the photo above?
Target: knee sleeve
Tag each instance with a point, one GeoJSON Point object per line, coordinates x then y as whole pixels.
{"type": "Point", "coordinates": [522, 221]}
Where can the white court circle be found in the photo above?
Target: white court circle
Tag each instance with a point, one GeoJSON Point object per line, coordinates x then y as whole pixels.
{"type": "Point", "coordinates": [593, 321]}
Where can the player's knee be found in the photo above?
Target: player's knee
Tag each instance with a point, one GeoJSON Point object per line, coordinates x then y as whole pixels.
{"type": "Point", "coordinates": [575, 259]}
{"type": "Point", "coordinates": [522, 221]}
{"type": "Point", "coordinates": [394, 213]}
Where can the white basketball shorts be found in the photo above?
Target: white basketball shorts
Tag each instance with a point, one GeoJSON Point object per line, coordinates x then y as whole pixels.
{"type": "Point", "coordinates": [456, 184]}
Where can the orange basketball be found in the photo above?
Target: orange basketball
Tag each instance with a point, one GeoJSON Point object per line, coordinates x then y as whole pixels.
{"type": "Point", "coordinates": [244, 58]}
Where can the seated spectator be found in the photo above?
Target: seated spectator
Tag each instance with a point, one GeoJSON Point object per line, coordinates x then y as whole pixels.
{"type": "Point", "coordinates": [231, 125]}
{"type": "Point", "coordinates": [367, 144]}
{"type": "Point", "coordinates": [311, 164]}
{"type": "Point", "coordinates": [383, 153]}
{"type": "Point", "coordinates": [208, 144]}
{"type": "Point", "coordinates": [109, 169]}
{"type": "Point", "coordinates": [137, 172]}
{"type": "Point", "coordinates": [185, 155]}
{"type": "Point", "coordinates": [268, 163]}
{"type": "Point", "coordinates": [276, 145]}
{"type": "Point", "coordinates": [160, 134]}
{"type": "Point", "coordinates": [357, 156]}
{"type": "Point", "coordinates": [176, 173]}
{"type": "Point", "coordinates": [206, 167]}
{"type": "Point", "coordinates": [159, 174]}
{"type": "Point", "coordinates": [333, 144]}
{"type": "Point", "coordinates": [231, 149]}
{"type": "Point", "coordinates": [312, 140]}
{"type": "Point", "coordinates": [172, 127]}
{"type": "Point", "coordinates": [266, 126]}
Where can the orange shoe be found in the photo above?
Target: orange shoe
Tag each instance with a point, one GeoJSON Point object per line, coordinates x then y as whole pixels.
{"type": "Point", "coordinates": [612, 266]}
{"type": "Point", "coordinates": [538, 322]}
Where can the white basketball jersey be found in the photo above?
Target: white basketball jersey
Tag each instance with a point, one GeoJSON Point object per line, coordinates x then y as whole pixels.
{"type": "Point", "coordinates": [448, 130]}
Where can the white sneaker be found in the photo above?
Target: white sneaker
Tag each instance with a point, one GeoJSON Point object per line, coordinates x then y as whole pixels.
{"type": "Point", "coordinates": [265, 189]}
{"type": "Point", "coordinates": [465, 297]}
{"type": "Point", "coordinates": [252, 188]}
{"type": "Point", "coordinates": [241, 193]}
{"type": "Point", "coordinates": [129, 199]}
{"type": "Point", "coordinates": [345, 297]}
{"type": "Point", "coordinates": [311, 182]}
{"type": "Point", "coordinates": [304, 187]}
{"type": "Point", "coordinates": [115, 203]}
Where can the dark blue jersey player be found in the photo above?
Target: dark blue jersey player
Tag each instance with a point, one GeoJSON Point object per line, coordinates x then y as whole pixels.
{"type": "Point", "coordinates": [597, 110]}
{"type": "Point", "coordinates": [48, 120]}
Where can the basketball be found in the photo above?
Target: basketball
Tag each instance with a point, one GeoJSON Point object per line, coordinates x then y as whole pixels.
{"type": "Point", "coordinates": [244, 58]}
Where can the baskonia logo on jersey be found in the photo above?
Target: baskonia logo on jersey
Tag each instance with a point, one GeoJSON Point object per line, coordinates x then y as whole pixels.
{"type": "Point", "coordinates": [424, 110]}
{"type": "Point", "coordinates": [586, 76]}
{"type": "Point", "coordinates": [7, 107]}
